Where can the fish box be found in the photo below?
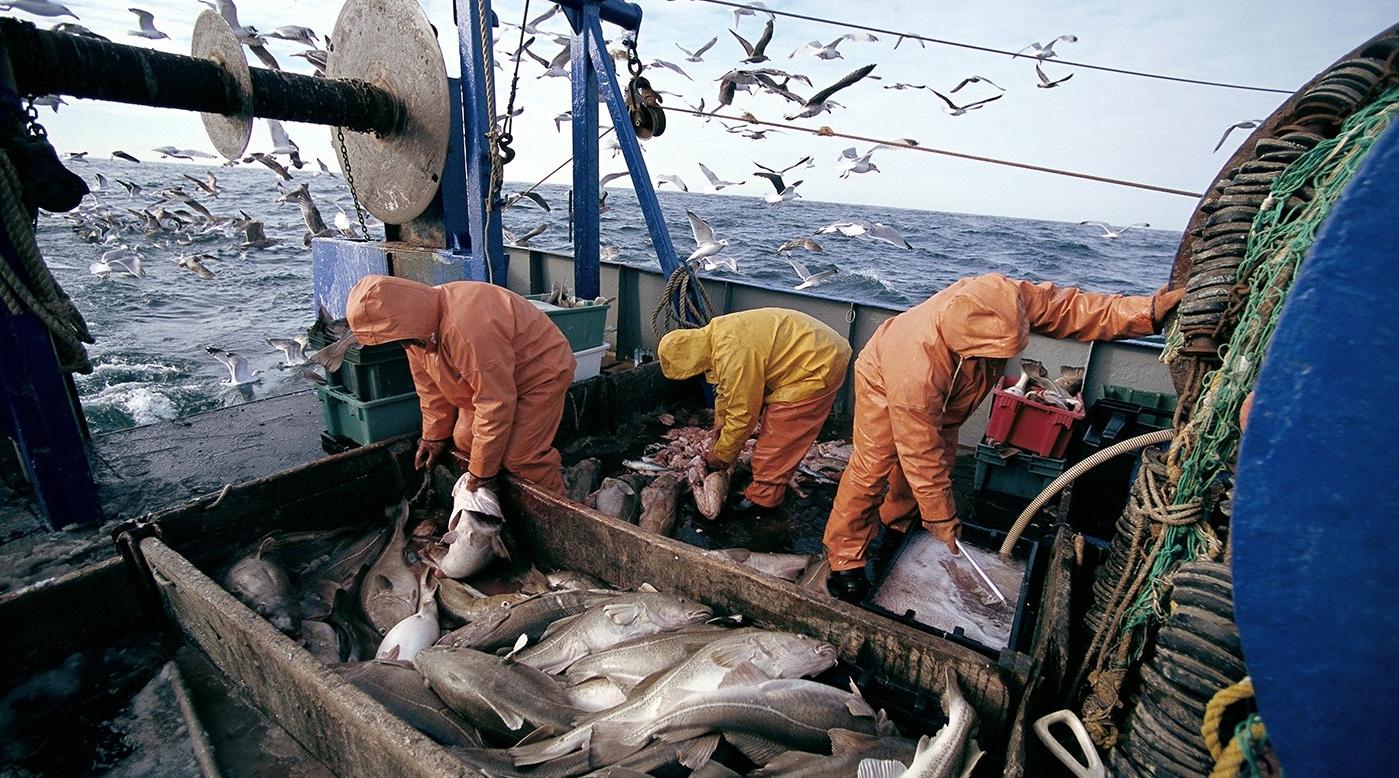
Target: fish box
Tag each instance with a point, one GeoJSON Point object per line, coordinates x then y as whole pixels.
{"type": "Point", "coordinates": [1039, 429]}
{"type": "Point", "coordinates": [369, 421]}
{"type": "Point", "coordinates": [1020, 475]}
{"type": "Point", "coordinates": [584, 325]}
{"type": "Point", "coordinates": [370, 372]}
{"type": "Point", "coordinates": [589, 362]}
{"type": "Point", "coordinates": [1153, 410]}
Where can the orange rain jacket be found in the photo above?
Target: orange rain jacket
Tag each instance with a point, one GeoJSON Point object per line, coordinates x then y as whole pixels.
{"type": "Point", "coordinates": [766, 355]}
{"type": "Point", "coordinates": [936, 362]}
{"type": "Point", "coordinates": [486, 350]}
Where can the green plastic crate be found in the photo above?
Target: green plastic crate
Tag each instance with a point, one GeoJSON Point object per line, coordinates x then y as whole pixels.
{"type": "Point", "coordinates": [1023, 475]}
{"type": "Point", "coordinates": [584, 325]}
{"type": "Point", "coordinates": [371, 421]}
{"type": "Point", "coordinates": [370, 372]}
{"type": "Point", "coordinates": [1158, 409]}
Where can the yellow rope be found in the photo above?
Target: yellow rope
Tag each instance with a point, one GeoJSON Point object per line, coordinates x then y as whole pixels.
{"type": "Point", "coordinates": [1230, 764]}
{"type": "Point", "coordinates": [1214, 714]}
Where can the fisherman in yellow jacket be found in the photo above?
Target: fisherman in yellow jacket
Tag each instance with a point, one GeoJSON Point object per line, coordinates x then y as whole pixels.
{"type": "Point", "coordinates": [781, 366]}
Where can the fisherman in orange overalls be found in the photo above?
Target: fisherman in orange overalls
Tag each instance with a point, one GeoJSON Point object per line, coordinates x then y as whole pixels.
{"type": "Point", "coordinates": [778, 365]}
{"type": "Point", "coordinates": [491, 372]}
{"type": "Point", "coordinates": [921, 375]}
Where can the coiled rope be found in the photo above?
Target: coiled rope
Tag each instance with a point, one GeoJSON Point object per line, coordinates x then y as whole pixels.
{"type": "Point", "coordinates": [1240, 756]}
{"type": "Point", "coordinates": [46, 299]}
{"type": "Point", "coordinates": [683, 305]}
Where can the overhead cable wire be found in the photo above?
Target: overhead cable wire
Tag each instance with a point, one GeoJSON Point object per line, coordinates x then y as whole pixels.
{"type": "Point", "coordinates": [1003, 52]}
{"type": "Point", "coordinates": [521, 195]}
{"type": "Point", "coordinates": [827, 132]}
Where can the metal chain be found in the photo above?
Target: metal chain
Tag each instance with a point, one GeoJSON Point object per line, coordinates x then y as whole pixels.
{"type": "Point", "coordinates": [507, 137]}
{"type": "Point", "coordinates": [634, 66]}
{"type": "Point", "coordinates": [31, 119]}
{"type": "Point", "coordinates": [350, 179]}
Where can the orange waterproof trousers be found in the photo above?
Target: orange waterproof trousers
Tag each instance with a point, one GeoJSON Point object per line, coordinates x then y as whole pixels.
{"type": "Point", "coordinates": [873, 484]}
{"type": "Point", "coordinates": [529, 451]}
{"type": "Point", "coordinates": [787, 432]}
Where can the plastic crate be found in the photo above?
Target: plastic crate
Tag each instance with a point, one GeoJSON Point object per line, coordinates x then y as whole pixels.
{"type": "Point", "coordinates": [589, 362]}
{"type": "Point", "coordinates": [1039, 429]}
{"type": "Point", "coordinates": [371, 421]}
{"type": "Point", "coordinates": [370, 372]}
{"type": "Point", "coordinates": [584, 325]}
{"type": "Point", "coordinates": [1153, 409]}
{"type": "Point", "coordinates": [1022, 475]}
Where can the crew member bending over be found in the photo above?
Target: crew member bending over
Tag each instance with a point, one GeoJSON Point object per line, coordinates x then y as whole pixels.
{"type": "Point", "coordinates": [491, 371]}
{"type": "Point", "coordinates": [779, 365]}
{"type": "Point", "coordinates": [922, 374]}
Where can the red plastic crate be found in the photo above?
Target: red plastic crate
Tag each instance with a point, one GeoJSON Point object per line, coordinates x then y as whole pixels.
{"type": "Point", "coordinates": [1039, 429]}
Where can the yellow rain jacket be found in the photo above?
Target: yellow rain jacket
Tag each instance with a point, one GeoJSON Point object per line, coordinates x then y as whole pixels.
{"type": "Point", "coordinates": [768, 355]}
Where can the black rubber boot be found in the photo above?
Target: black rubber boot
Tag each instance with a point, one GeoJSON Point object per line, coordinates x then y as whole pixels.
{"type": "Point", "coordinates": [889, 547]}
{"type": "Point", "coordinates": [849, 585]}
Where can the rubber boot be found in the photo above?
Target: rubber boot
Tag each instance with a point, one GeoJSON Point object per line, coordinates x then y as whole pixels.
{"type": "Point", "coordinates": [849, 585]}
{"type": "Point", "coordinates": [884, 556]}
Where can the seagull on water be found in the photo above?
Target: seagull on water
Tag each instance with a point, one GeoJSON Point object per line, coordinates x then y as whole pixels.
{"type": "Point", "coordinates": [293, 349]}
{"type": "Point", "coordinates": [821, 102]}
{"type": "Point", "coordinates": [37, 8]}
{"type": "Point", "coordinates": [705, 244]}
{"type": "Point", "coordinates": [146, 21]}
{"type": "Point", "coordinates": [239, 371]}
{"type": "Point", "coordinates": [195, 264]}
{"type": "Point", "coordinates": [808, 278]}
{"type": "Point", "coordinates": [698, 54]}
{"type": "Point", "coordinates": [117, 262]}
{"type": "Point", "coordinates": [255, 236]}
{"type": "Point", "coordinates": [1250, 124]}
{"type": "Point", "coordinates": [1111, 232]}
{"type": "Point", "coordinates": [714, 181]}
{"type": "Point", "coordinates": [953, 109]}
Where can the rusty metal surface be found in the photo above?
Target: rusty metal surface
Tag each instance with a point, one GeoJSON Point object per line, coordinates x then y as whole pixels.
{"type": "Point", "coordinates": [390, 45]}
{"type": "Point", "coordinates": [214, 40]}
{"type": "Point", "coordinates": [340, 725]}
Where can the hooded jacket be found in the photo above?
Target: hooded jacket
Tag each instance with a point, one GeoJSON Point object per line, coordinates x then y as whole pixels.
{"type": "Point", "coordinates": [767, 355]}
{"type": "Point", "coordinates": [484, 347]}
{"type": "Point", "coordinates": [937, 361]}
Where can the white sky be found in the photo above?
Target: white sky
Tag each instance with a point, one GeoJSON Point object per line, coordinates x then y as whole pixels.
{"type": "Point", "coordinates": [1107, 124]}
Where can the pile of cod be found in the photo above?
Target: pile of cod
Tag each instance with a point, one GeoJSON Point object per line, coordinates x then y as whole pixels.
{"type": "Point", "coordinates": [565, 676]}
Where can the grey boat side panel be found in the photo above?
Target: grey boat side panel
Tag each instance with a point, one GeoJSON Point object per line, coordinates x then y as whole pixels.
{"type": "Point", "coordinates": [343, 727]}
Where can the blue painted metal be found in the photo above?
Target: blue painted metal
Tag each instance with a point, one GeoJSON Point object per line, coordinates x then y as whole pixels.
{"type": "Point", "coordinates": [1314, 543]}
{"type": "Point", "coordinates": [483, 224]}
{"type": "Point", "coordinates": [434, 266]}
{"type": "Point", "coordinates": [336, 264]}
{"type": "Point", "coordinates": [585, 151]}
{"type": "Point", "coordinates": [623, 14]}
{"type": "Point", "coordinates": [456, 222]}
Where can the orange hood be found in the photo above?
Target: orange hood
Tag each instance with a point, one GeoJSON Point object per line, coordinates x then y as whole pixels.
{"type": "Point", "coordinates": [984, 317]}
{"type": "Point", "coordinates": [383, 309]}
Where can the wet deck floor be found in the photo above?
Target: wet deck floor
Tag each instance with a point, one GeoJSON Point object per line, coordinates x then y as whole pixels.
{"type": "Point", "coordinates": [149, 468]}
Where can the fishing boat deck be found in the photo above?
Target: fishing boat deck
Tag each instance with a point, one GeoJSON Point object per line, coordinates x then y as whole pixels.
{"type": "Point", "coordinates": [149, 468]}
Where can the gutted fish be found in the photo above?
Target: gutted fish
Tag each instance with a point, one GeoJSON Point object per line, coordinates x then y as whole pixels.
{"type": "Point", "coordinates": [413, 634]}
{"type": "Point", "coordinates": [389, 593]}
{"type": "Point", "coordinates": [624, 617]}
{"type": "Point", "coordinates": [618, 499]}
{"type": "Point", "coordinates": [262, 584]}
{"type": "Point", "coordinates": [660, 505]}
{"type": "Point", "coordinates": [398, 687]}
{"type": "Point", "coordinates": [494, 693]}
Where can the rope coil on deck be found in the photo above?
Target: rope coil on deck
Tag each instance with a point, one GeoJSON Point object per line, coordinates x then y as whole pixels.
{"type": "Point", "coordinates": [46, 300]}
{"type": "Point", "coordinates": [684, 304]}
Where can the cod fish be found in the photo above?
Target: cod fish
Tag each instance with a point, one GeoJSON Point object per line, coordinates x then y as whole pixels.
{"type": "Point", "coordinates": [262, 584]}
{"type": "Point", "coordinates": [321, 640]}
{"type": "Point", "coordinates": [617, 498]}
{"type": "Point", "coordinates": [582, 479]}
{"type": "Point", "coordinates": [711, 493]}
{"type": "Point", "coordinates": [951, 753]}
{"type": "Point", "coordinates": [338, 572]}
{"type": "Point", "coordinates": [848, 749]}
{"type": "Point", "coordinates": [496, 694]}
{"type": "Point", "coordinates": [603, 626]}
{"type": "Point", "coordinates": [660, 505]}
{"type": "Point", "coordinates": [562, 580]}
{"type": "Point", "coordinates": [413, 634]}
{"type": "Point", "coordinates": [788, 567]}
{"type": "Point", "coordinates": [629, 663]}
{"type": "Point", "coordinates": [499, 628]}
{"type": "Point", "coordinates": [596, 694]}
{"type": "Point", "coordinates": [400, 688]}
{"type": "Point", "coordinates": [473, 541]}
{"type": "Point", "coordinates": [796, 713]}
{"type": "Point", "coordinates": [389, 593]}
{"type": "Point", "coordinates": [740, 659]}
{"type": "Point", "coordinates": [466, 604]}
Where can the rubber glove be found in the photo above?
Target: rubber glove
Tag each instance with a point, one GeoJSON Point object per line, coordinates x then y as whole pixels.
{"type": "Point", "coordinates": [947, 530]}
{"type": "Point", "coordinates": [474, 482]}
{"type": "Point", "coordinates": [428, 453]}
{"type": "Point", "coordinates": [1162, 303]}
{"type": "Point", "coordinates": [714, 463]}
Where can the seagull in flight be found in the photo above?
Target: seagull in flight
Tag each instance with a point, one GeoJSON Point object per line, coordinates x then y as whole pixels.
{"type": "Point", "coordinates": [239, 371]}
{"type": "Point", "coordinates": [821, 102]}
{"type": "Point", "coordinates": [698, 54]}
{"type": "Point", "coordinates": [146, 21]}
{"type": "Point", "coordinates": [714, 181]}
{"type": "Point", "coordinates": [38, 8]}
{"type": "Point", "coordinates": [876, 231]}
{"type": "Point", "coordinates": [297, 34]}
{"type": "Point", "coordinates": [1046, 51]}
{"type": "Point", "coordinates": [976, 80]}
{"type": "Point", "coordinates": [195, 265]}
{"type": "Point", "coordinates": [283, 144]}
{"type": "Point", "coordinates": [293, 349]}
{"type": "Point", "coordinates": [1244, 125]}
{"type": "Point", "coordinates": [852, 161]}
{"type": "Point", "coordinates": [705, 244]}
{"type": "Point", "coordinates": [125, 156]}
{"type": "Point", "coordinates": [803, 242]}
{"type": "Point", "coordinates": [785, 191]}
{"type": "Point", "coordinates": [828, 50]}
{"type": "Point", "coordinates": [674, 180]}
{"type": "Point", "coordinates": [755, 51]}
{"type": "Point", "coordinates": [660, 63]}
{"type": "Point", "coordinates": [1046, 82]}
{"type": "Point", "coordinates": [1111, 232]}
{"type": "Point", "coordinates": [752, 9]}
{"type": "Point", "coordinates": [953, 109]}
{"type": "Point", "coordinates": [808, 278]}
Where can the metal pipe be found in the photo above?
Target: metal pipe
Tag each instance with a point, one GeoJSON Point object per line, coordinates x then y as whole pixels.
{"type": "Point", "coordinates": [46, 62]}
